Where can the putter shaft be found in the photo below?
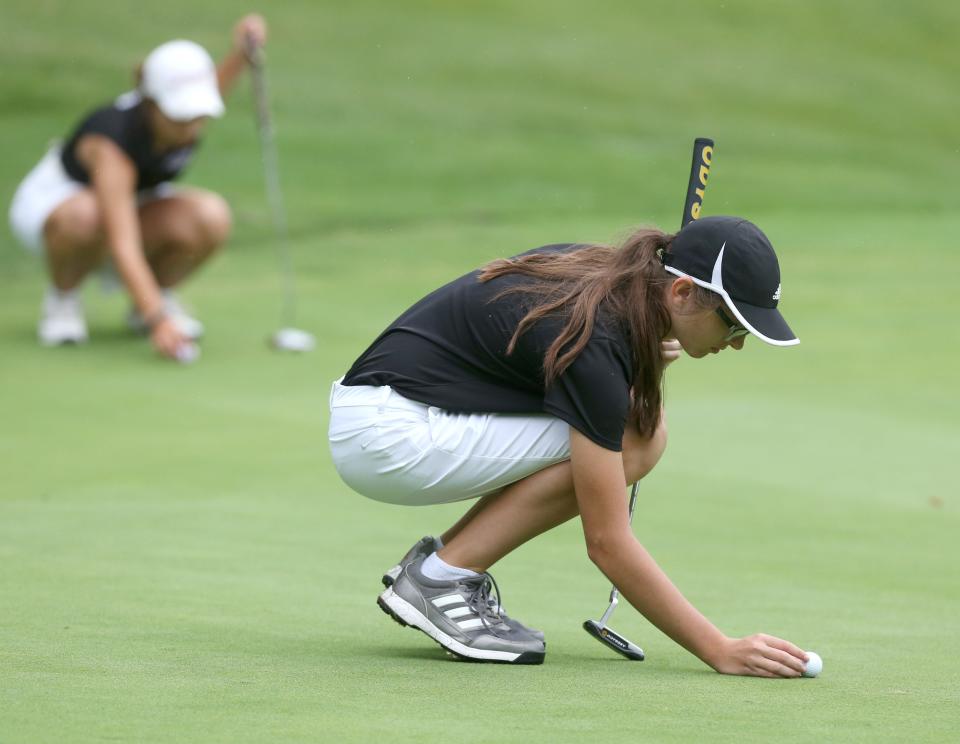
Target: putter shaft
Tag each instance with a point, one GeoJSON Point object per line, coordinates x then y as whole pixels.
{"type": "Point", "coordinates": [271, 172]}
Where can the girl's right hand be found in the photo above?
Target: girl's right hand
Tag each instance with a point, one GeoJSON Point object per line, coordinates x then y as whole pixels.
{"type": "Point", "coordinates": [670, 350]}
{"type": "Point", "coordinates": [251, 30]}
{"type": "Point", "coordinates": [760, 655]}
{"type": "Point", "coordinates": [167, 339]}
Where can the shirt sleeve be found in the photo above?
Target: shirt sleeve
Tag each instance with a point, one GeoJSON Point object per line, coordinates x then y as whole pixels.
{"type": "Point", "coordinates": [593, 393]}
{"type": "Point", "coordinates": [110, 124]}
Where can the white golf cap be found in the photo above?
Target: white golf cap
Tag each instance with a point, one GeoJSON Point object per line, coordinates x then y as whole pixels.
{"type": "Point", "coordinates": [181, 78]}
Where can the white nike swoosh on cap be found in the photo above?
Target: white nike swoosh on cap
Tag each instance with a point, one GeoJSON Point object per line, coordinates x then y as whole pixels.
{"type": "Point", "coordinates": [717, 278]}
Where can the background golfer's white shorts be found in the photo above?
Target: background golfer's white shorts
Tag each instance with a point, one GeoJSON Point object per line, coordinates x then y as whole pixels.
{"type": "Point", "coordinates": [48, 186]}
{"type": "Point", "coordinates": [44, 189]}
{"type": "Point", "coordinates": [389, 448]}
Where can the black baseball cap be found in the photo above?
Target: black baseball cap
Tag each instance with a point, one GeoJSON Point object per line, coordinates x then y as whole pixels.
{"type": "Point", "coordinates": [732, 257]}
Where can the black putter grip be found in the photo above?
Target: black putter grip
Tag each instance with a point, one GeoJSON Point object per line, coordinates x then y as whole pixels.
{"type": "Point", "coordinates": [699, 172]}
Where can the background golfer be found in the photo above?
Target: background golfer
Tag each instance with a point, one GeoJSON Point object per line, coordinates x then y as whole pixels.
{"type": "Point", "coordinates": [105, 195]}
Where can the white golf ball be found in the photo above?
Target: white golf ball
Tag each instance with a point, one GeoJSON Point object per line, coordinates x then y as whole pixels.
{"type": "Point", "coordinates": [188, 353]}
{"type": "Point", "coordinates": [814, 665]}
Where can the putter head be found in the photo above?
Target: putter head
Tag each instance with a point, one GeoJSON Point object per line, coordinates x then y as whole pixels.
{"type": "Point", "coordinates": [292, 339]}
{"type": "Point", "coordinates": [608, 637]}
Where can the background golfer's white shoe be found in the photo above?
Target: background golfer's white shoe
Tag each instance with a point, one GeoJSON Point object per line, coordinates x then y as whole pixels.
{"type": "Point", "coordinates": [61, 319]}
{"type": "Point", "coordinates": [186, 323]}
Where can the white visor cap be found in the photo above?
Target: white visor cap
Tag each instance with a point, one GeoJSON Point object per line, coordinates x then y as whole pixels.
{"type": "Point", "coordinates": [181, 78]}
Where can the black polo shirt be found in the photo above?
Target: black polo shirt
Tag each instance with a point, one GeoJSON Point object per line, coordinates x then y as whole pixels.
{"type": "Point", "coordinates": [124, 122]}
{"type": "Point", "coordinates": [449, 351]}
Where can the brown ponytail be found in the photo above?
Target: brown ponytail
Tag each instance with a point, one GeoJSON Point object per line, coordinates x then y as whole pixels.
{"type": "Point", "coordinates": [627, 283]}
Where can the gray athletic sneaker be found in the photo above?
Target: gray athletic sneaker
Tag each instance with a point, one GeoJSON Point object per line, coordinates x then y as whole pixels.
{"type": "Point", "coordinates": [421, 549]}
{"type": "Point", "coordinates": [458, 616]}
{"type": "Point", "coordinates": [427, 545]}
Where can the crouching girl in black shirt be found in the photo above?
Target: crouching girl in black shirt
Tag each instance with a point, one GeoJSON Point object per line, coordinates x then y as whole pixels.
{"type": "Point", "coordinates": [534, 384]}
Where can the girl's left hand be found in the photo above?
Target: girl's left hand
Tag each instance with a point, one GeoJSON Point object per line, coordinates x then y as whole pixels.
{"type": "Point", "coordinates": [670, 351]}
{"type": "Point", "coordinates": [249, 30]}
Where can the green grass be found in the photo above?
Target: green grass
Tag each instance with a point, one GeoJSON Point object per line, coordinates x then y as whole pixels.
{"type": "Point", "coordinates": [178, 559]}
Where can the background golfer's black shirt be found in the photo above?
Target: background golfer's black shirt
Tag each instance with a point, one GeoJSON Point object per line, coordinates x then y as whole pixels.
{"type": "Point", "coordinates": [449, 351]}
{"type": "Point", "coordinates": [124, 121]}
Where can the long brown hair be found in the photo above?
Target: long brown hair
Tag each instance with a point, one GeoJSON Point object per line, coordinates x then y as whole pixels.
{"type": "Point", "coordinates": [628, 282]}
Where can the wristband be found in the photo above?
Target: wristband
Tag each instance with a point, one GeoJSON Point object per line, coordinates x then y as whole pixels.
{"type": "Point", "coordinates": [153, 320]}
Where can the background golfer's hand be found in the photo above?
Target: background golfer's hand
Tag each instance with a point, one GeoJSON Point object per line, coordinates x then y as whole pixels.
{"type": "Point", "coordinates": [760, 655]}
{"type": "Point", "coordinates": [167, 339]}
{"type": "Point", "coordinates": [670, 351]}
{"type": "Point", "coordinates": [251, 29]}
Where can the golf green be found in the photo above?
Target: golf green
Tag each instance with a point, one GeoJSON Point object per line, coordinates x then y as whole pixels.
{"type": "Point", "coordinates": [180, 562]}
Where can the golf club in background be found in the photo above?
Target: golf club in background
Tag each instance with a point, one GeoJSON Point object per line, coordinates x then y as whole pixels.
{"type": "Point", "coordinates": [699, 171]}
{"type": "Point", "coordinates": [288, 337]}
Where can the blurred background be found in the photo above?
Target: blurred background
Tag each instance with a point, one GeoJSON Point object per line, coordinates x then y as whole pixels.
{"type": "Point", "coordinates": [178, 558]}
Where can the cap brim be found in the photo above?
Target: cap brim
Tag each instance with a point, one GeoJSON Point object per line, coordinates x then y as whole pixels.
{"type": "Point", "coordinates": [766, 323]}
{"type": "Point", "coordinates": [192, 101]}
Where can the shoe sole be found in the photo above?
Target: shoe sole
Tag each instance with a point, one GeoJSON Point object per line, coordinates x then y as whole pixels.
{"type": "Point", "coordinates": [63, 342]}
{"type": "Point", "coordinates": [406, 614]}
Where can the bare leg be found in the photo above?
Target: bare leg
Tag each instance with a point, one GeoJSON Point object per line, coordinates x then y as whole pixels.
{"type": "Point", "coordinates": [73, 236]}
{"type": "Point", "coordinates": [179, 234]}
{"type": "Point", "coordinates": [478, 506]}
{"type": "Point", "coordinates": [501, 522]}
{"type": "Point", "coordinates": [182, 231]}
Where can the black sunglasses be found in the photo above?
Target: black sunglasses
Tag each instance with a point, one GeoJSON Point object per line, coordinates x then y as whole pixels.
{"type": "Point", "coordinates": [734, 329]}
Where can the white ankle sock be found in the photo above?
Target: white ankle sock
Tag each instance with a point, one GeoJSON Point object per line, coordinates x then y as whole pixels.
{"type": "Point", "coordinates": [434, 567]}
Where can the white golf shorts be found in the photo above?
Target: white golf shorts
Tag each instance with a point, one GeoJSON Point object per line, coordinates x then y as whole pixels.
{"type": "Point", "coordinates": [48, 186]}
{"type": "Point", "coordinates": [44, 189]}
{"type": "Point", "coordinates": [392, 449]}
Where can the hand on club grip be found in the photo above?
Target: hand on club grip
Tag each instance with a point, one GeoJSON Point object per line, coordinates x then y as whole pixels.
{"type": "Point", "coordinates": [759, 655]}
{"type": "Point", "coordinates": [249, 33]}
{"type": "Point", "coordinates": [670, 351]}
